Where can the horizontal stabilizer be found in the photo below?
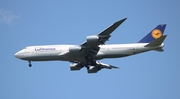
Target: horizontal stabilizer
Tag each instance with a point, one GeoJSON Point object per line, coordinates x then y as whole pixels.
{"type": "Point", "coordinates": [159, 50]}
{"type": "Point", "coordinates": [156, 42]}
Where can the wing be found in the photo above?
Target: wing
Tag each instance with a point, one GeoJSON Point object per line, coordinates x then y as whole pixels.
{"type": "Point", "coordinates": [90, 48]}
{"type": "Point", "coordinates": [104, 35]}
{"type": "Point", "coordinates": [91, 45]}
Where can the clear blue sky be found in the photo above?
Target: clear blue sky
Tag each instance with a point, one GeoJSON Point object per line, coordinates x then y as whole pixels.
{"type": "Point", "coordinates": [150, 75]}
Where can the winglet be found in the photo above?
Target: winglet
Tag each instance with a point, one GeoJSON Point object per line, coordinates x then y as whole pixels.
{"type": "Point", "coordinates": [156, 42]}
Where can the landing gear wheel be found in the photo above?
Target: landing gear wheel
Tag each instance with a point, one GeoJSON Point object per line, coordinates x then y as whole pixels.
{"type": "Point", "coordinates": [30, 63]}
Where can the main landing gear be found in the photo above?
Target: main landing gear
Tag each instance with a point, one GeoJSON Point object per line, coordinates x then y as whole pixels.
{"type": "Point", "coordinates": [90, 61]}
{"type": "Point", "coordinates": [30, 63]}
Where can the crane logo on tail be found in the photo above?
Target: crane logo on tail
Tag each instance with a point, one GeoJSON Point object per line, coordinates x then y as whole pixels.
{"type": "Point", "coordinates": [156, 33]}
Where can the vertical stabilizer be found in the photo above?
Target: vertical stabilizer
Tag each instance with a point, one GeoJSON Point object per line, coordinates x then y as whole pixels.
{"type": "Point", "coordinates": [156, 33]}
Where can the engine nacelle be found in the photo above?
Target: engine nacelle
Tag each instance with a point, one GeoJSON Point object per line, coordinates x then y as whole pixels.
{"type": "Point", "coordinates": [76, 66]}
{"type": "Point", "coordinates": [74, 49]}
{"type": "Point", "coordinates": [92, 39]}
{"type": "Point", "coordinates": [93, 69]}
{"type": "Point", "coordinates": [104, 65]}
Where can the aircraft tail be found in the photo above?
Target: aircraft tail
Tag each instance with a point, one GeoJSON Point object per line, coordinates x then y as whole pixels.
{"type": "Point", "coordinates": [157, 42]}
{"type": "Point", "coordinates": [156, 33]}
{"type": "Point", "coordinates": [159, 50]}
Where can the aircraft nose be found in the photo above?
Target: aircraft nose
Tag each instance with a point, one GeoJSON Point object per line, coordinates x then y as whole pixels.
{"type": "Point", "coordinates": [16, 55]}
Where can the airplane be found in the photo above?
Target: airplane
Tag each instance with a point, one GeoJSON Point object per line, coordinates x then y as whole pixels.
{"type": "Point", "coordinates": [93, 49]}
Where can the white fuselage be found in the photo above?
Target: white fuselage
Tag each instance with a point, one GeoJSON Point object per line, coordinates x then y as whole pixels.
{"type": "Point", "coordinates": [62, 52]}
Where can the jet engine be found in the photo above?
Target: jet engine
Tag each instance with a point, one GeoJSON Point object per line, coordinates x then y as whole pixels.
{"type": "Point", "coordinates": [74, 49]}
{"type": "Point", "coordinates": [93, 69]}
{"type": "Point", "coordinates": [99, 66]}
{"type": "Point", "coordinates": [103, 65]}
{"type": "Point", "coordinates": [76, 66]}
{"type": "Point", "coordinates": [92, 39]}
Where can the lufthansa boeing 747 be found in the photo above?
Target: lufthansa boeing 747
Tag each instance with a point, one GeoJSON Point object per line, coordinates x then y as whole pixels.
{"type": "Point", "coordinates": [93, 49]}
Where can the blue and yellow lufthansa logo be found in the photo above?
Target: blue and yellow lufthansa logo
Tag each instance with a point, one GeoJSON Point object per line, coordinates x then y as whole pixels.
{"type": "Point", "coordinates": [156, 33]}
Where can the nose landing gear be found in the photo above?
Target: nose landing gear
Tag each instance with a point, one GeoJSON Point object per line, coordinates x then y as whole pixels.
{"type": "Point", "coordinates": [30, 63]}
